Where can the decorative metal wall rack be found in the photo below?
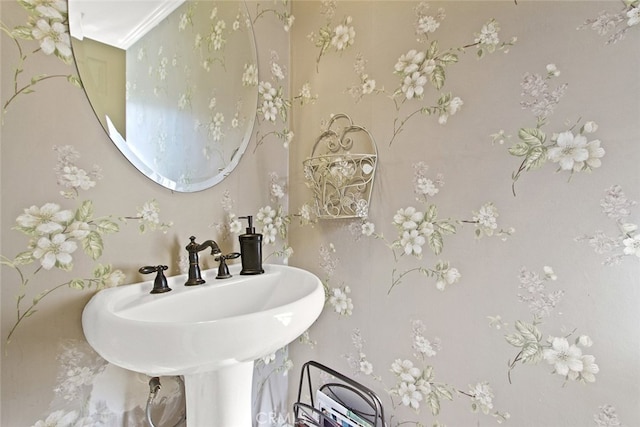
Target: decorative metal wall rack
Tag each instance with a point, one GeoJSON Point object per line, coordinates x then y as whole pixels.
{"type": "Point", "coordinates": [355, 405]}
{"type": "Point", "coordinates": [341, 169]}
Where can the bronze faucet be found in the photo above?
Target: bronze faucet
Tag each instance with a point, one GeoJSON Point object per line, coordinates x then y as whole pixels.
{"type": "Point", "coordinates": [195, 278]}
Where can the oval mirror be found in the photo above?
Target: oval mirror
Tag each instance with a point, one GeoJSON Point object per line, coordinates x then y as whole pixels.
{"type": "Point", "coordinates": [174, 83]}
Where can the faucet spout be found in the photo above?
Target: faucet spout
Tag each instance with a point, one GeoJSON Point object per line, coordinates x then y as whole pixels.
{"type": "Point", "coordinates": [195, 277]}
{"type": "Point", "coordinates": [215, 249]}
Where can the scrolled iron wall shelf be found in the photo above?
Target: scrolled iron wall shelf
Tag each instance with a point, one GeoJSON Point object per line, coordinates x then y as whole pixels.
{"type": "Point", "coordinates": [341, 170]}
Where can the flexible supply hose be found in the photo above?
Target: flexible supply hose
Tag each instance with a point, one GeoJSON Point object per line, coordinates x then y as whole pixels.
{"type": "Point", "coordinates": [154, 387]}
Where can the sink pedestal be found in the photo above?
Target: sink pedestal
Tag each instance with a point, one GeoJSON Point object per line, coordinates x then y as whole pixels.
{"type": "Point", "coordinates": [220, 398]}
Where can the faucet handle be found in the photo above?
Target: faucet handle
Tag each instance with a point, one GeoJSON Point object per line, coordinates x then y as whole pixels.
{"type": "Point", "coordinates": [192, 246]}
{"type": "Point", "coordinates": [223, 269]}
{"type": "Point", "coordinates": [160, 284]}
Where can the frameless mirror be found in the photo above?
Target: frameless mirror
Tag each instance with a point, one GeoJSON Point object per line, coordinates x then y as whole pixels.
{"type": "Point", "coordinates": [173, 82]}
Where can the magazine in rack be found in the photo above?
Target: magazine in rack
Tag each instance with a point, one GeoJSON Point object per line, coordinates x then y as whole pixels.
{"type": "Point", "coordinates": [342, 415]}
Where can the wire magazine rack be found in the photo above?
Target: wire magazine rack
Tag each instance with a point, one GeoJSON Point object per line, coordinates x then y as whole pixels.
{"type": "Point", "coordinates": [341, 169]}
{"type": "Point", "coordinates": [355, 404]}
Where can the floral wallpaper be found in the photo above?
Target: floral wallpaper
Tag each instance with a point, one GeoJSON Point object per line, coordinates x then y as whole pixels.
{"type": "Point", "coordinates": [80, 219]}
{"type": "Point", "coordinates": [469, 292]}
{"type": "Point", "coordinates": [492, 278]}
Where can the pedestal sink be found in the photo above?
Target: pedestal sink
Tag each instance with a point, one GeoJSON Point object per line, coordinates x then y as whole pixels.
{"type": "Point", "coordinates": [210, 334]}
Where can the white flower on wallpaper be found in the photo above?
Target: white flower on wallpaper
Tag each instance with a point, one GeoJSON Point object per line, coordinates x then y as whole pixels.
{"type": "Point", "coordinates": [566, 358]}
{"type": "Point", "coordinates": [488, 39]}
{"type": "Point", "coordinates": [422, 228]}
{"type": "Point", "coordinates": [53, 38]}
{"type": "Point", "coordinates": [414, 383]}
{"type": "Point", "coordinates": [282, 14]}
{"type": "Point", "coordinates": [573, 151]}
{"type": "Point", "coordinates": [305, 96]}
{"type": "Point", "coordinates": [617, 207]}
{"type": "Point", "coordinates": [423, 346]}
{"type": "Point", "coordinates": [48, 26]}
{"type": "Point", "coordinates": [340, 301]}
{"type": "Point", "coordinates": [366, 85]}
{"type": "Point", "coordinates": [273, 222]}
{"type": "Point", "coordinates": [343, 35]}
{"type": "Point", "coordinates": [534, 292]}
{"type": "Point", "coordinates": [337, 297]}
{"type": "Point", "coordinates": [57, 234]}
{"type": "Point", "coordinates": [79, 366]}
{"type": "Point", "coordinates": [421, 71]}
{"type": "Point", "coordinates": [486, 220]}
{"type": "Point", "coordinates": [615, 25]}
{"type": "Point", "coordinates": [568, 361]}
{"type": "Point", "coordinates": [274, 106]}
{"type": "Point", "coordinates": [79, 398]}
{"type": "Point", "coordinates": [250, 75]}
{"type": "Point", "coordinates": [273, 103]}
{"type": "Point", "coordinates": [426, 21]}
{"type": "Point", "coordinates": [358, 361]}
{"type": "Point", "coordinates": [216, 38]}
{"type": "Point", "coordinates": [482, 398]}
{"type": "Point", "coordinates": [339, 37]}
{"type": "Point", "coordinates": [607, 417]}
{"type": "Point", "coordinates": [148, 217]}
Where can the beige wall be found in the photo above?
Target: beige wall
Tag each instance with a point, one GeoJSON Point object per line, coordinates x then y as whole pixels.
{"type": "Point", "coordinates": [549, 214]}
{"type": "Point", "coordinates": [47, 352]}
{"type": "Point", "coordinates": [552, 221]}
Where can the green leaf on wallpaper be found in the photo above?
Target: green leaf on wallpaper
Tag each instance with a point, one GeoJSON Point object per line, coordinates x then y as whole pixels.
{"type": "Point", "coordinates": [41, 295]}
{"type": "Point", "coordinates": [535, 158]}
{"type": "Point", "coordinates": [74, 80]}
{"type": "Point", "coordinates": [449, 58]}
{"type": "Point", "coordinates": [443, 391]}
{"type": "Point", "coordinates": [101, 270]}
{"type": "Point", "coordinates": [93, 245]}
{"type": "Point", "coordinates": [434, 403]}
{"type": "Point", "coordinates": [531, 353]}
{"type": "Point", "coordinates": [64, 267]}
{"type": "Point", "coordinates": [106, 226]}
{"type": "Point", "coordinates": [447, 227]}
{"type": "Point", "coordinates": [515, 340]}
{"type": "Point", "coordinates": [437, 77]}
{"type": "Point", "coordinates": [22, 32]}
{"type": "Point", "coordinates": [435, 242]}
{"type": "Point", "coordinates": [427, 374]}
{"type": "Point", "coordinates": [528, 331]}
{"type": "Point", "coordinates": [520, 149]}
{"type": "Point", "coordinates": [443, 101]}
{"type": "Point", "coordinates": [36, 79]}
{"type": "Point", "coordinates": [431, 214]}
{"type": "Point", "coordinates": [532, 136]}
{"type": "Point", "coordinates": [432, 52]}
{"type": "Point", "coordinates": [85, 211]}
{"type": "Point", "coordinates": [23, 258]}
{"type": "Point", "coordinates": [428, 110]}
{"type": "Point", "coordinates": [76, 284]}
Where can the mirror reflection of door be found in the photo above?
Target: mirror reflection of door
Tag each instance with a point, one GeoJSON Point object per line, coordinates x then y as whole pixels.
{"type": "Point", "coordinates": [177, 94]}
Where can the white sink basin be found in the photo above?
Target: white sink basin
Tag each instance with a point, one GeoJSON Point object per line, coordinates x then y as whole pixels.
{"type": "Point", "coordinates": [210, 333]}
